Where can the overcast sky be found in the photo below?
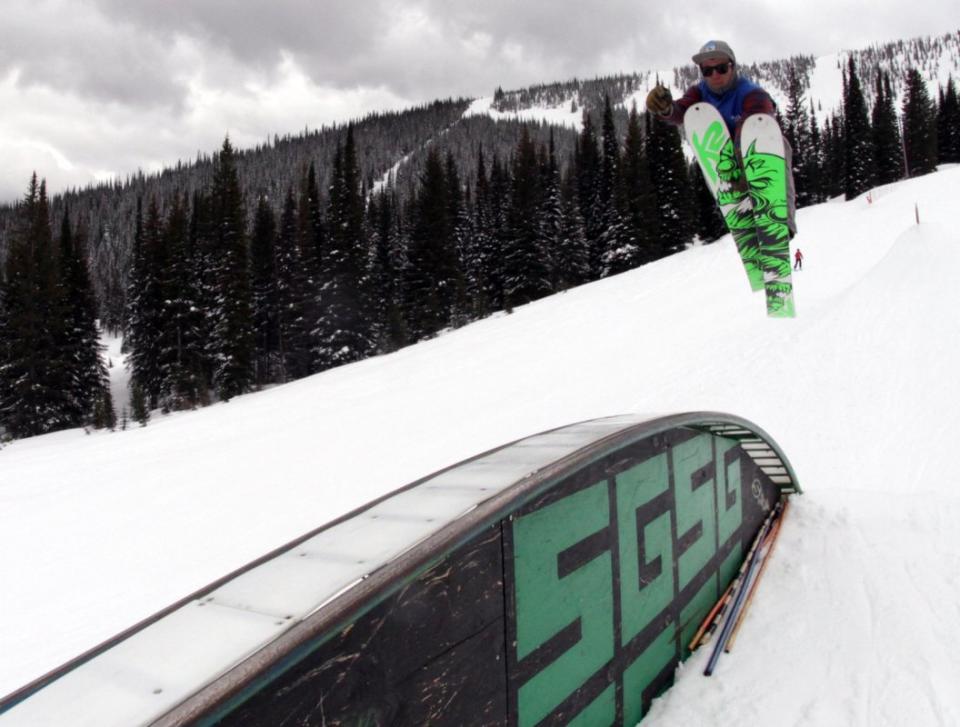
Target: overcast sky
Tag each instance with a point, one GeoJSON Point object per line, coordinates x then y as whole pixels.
{"type": "Point", "coordinates": [90, 89]}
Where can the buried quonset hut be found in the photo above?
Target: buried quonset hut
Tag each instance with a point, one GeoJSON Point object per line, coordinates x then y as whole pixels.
{"type": "Point", "coordinates": [554, 580]}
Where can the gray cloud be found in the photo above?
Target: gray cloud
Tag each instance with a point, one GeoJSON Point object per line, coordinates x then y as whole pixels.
{"type": "Point", "coordinates": [107, 86]}
{"type": "Point", "coordinates": [334, 34]}
{"type": "Point", "coordinates": [83, 53]}
{"type": "Point", "coordinates": [128, 51]}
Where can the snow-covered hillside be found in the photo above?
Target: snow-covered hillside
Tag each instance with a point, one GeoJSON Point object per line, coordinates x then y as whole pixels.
{"type": "Point", "coordinates": [856, 622]}
{"type": "Point", "coordinates": [938, 59]}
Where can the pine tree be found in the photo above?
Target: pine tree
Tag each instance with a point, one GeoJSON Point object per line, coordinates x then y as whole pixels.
{"type": "Point", "coordinates": [550, 214]}
{"type": "Point", "coordinates": [81, 348]}
{"type": "Point", "coordinates": [266, 329]}
{"type": "Point", "coordinates": [858, 147]}
{"type": "Point", "coordinates": [35, 390]}
{"type": "Point", "coordinates": [182, 325]}
{"type": "Point", "coordinates": [835, 159]}
{"type": "Point", "coordinates": [313, 245]}
{"type": "Point", "coordinates": [587, 165]}
{"type": "Point", "coordinates": [526, 273]}
{"type": "Point", "coordinates": [294, 294]}
{"type": "Point", "coordinates": [493, 256]}
{"type": "Point", "coordinates": [386, 270]}
{"type": "Point", "coordinates": [481, 253]}
{"type": "Point", "coordinates": [639, 196]}
{"type": "Point", "coordinates": [919, 127]}
{"type": "Point", "coordinates": [312, 230]}
{"type": "Point", "coordinates": [668, 170]}
{"type": "Point", "coordinates": [572, 260]}
{"type": "Point", "coordinates": [796, 129]}
{"type": "Point", "coordinates": [461, 230]}
{"type": "Point", "coordinates": [66, 406]}
{"type": "Point", "coordinates": [433, 280]}
{"type": "Point", "coordinates": [138, 404]}
{"type": "Point", "coordinates": [948, 125]}
{"type": "Point", "coordinates": [344, 332]}
{"type": "Point", "coordinates": [145, 300]}
{"type": "Point", "coordinates": [815, 161]}
{"type": "Point", "coordinates": [5, 352]}
{"type": "Point", "coordinates": [232, 341]}
{"type": "Point", "coordinates": [886, 134]}
{"type": "Point", "coordinates": [104, 414]}
{"type": "Point", "coordinates": [202, 261]}
{"type": "Point", "coordinates": [618, 251]}
{"type": "Point", "coordinates": [709, 224]}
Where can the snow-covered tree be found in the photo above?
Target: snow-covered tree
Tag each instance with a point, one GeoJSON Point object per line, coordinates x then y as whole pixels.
{"type": "Point", "coordinates": [858, 144]}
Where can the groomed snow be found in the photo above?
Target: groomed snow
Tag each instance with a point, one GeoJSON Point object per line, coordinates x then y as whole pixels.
{"type": "Point", "coordinates": [857, 621]}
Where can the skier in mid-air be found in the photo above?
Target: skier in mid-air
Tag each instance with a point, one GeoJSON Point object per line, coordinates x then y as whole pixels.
{"type": "Point", "coordinates": [735, 96]}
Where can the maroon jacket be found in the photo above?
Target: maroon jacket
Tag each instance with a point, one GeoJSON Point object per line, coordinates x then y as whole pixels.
{"type": "Point", "coordinates": [743, 100]}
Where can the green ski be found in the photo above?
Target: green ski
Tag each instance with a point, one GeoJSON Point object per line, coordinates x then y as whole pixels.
{"type": "Point", "coordinates": [707, 133]}
{"type": "Point", "coordinates": [765, 168]}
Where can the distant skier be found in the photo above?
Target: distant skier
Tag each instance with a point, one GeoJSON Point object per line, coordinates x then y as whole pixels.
{"type": "Point", "coordinates": [735, 96]}
{"type": "Point", "coordinates": [798, 260]}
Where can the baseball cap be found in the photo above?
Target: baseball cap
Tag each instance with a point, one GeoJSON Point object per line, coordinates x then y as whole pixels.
{"type": "Point", "coordinates": [714, 48]}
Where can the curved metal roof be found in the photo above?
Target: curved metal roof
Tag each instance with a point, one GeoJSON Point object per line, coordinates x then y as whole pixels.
{"type": "Point", "coordinates": [194, 656]}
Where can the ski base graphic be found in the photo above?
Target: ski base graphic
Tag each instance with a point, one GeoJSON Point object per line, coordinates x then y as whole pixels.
{"type": "Point", "coordinates": [765, 169]}
{"type": "Point", "coordinates": [707, 133]}
{"type": "Point", "coordinates": [751, 194]}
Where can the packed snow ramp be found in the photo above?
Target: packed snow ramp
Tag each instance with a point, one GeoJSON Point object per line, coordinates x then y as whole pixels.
{"type": "Point", "coordinates": [555, 580]}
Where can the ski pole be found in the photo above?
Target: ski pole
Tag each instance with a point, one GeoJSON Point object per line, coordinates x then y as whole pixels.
{"type": "Point", "coordinates": [753, 588]}
{"type": "Point", "coordinates": [725, 631]}
{"type": "Point", "coordinates": [738, 600]}
{"type": "Point", "coordinates": [738, 580]}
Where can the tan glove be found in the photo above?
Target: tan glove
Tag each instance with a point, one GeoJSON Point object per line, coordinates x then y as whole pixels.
{"type": "Point", "coordinates": [659, 100]}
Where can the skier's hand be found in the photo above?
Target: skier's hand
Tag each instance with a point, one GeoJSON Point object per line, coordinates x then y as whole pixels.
{"type": "Point", "coordinates": [659, 100]}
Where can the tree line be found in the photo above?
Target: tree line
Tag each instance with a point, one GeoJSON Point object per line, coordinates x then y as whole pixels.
{"type": "Point", "coordinates": [217, 307]}
{"type": "Point", "coordinates": [229, 294]}
{"type": "Point", "coordinates": [52, 374]}
{"type": "Point", "coordinates": [859, 146]}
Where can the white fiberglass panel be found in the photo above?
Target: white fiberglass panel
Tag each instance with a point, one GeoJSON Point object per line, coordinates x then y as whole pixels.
{"type": "Point", "coordinates": [496, 471]}
{"type": "Point", "coordinates": [150, 672]}
{"type": "Point", "coordinates": [156, 668]}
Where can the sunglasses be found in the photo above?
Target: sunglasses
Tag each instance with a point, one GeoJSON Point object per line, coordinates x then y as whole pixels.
{"type": "Point", "coordinates": [720, 68]}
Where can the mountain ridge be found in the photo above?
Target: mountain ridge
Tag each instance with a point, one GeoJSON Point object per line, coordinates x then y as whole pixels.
{"type": "Point", "coordinates": [399, 141]}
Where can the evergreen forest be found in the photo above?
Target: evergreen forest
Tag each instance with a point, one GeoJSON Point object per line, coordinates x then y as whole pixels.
{"type": "Point", "coordinates": [249, 268]}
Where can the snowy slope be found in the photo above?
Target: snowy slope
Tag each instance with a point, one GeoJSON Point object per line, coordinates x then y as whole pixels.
{"type": "Point", "coordinates": [857, 621]}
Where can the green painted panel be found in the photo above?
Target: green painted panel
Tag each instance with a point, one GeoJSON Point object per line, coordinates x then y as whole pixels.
{"type": "Point", "coordinates": [646, 558]}
{"type": "Point", "coordinates": [730, 566]}
{"type": "Point", "coordinates": [639, 675]}
{"type": "Point", "coordinates": [693, 613]}
{"type": "Point", "coordinates": [729, 484]}
{"type": "Point", "coordinates": [616, 567]}
{"type": "Point", "coordinates": [696, 505]}
{"type": "Point", "coordinates": [601, 711]}
{"type": "Point", "coordinates": [546, 604]}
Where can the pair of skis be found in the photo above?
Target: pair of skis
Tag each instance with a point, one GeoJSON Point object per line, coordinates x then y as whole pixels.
{"type": "Point", "coordinates": [750, 186]}
{"type": "Point", "coordinates": [732, 606]}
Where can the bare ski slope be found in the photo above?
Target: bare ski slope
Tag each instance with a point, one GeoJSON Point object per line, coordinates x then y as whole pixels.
{"type": "Point", "coordinates": [857, 621]}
